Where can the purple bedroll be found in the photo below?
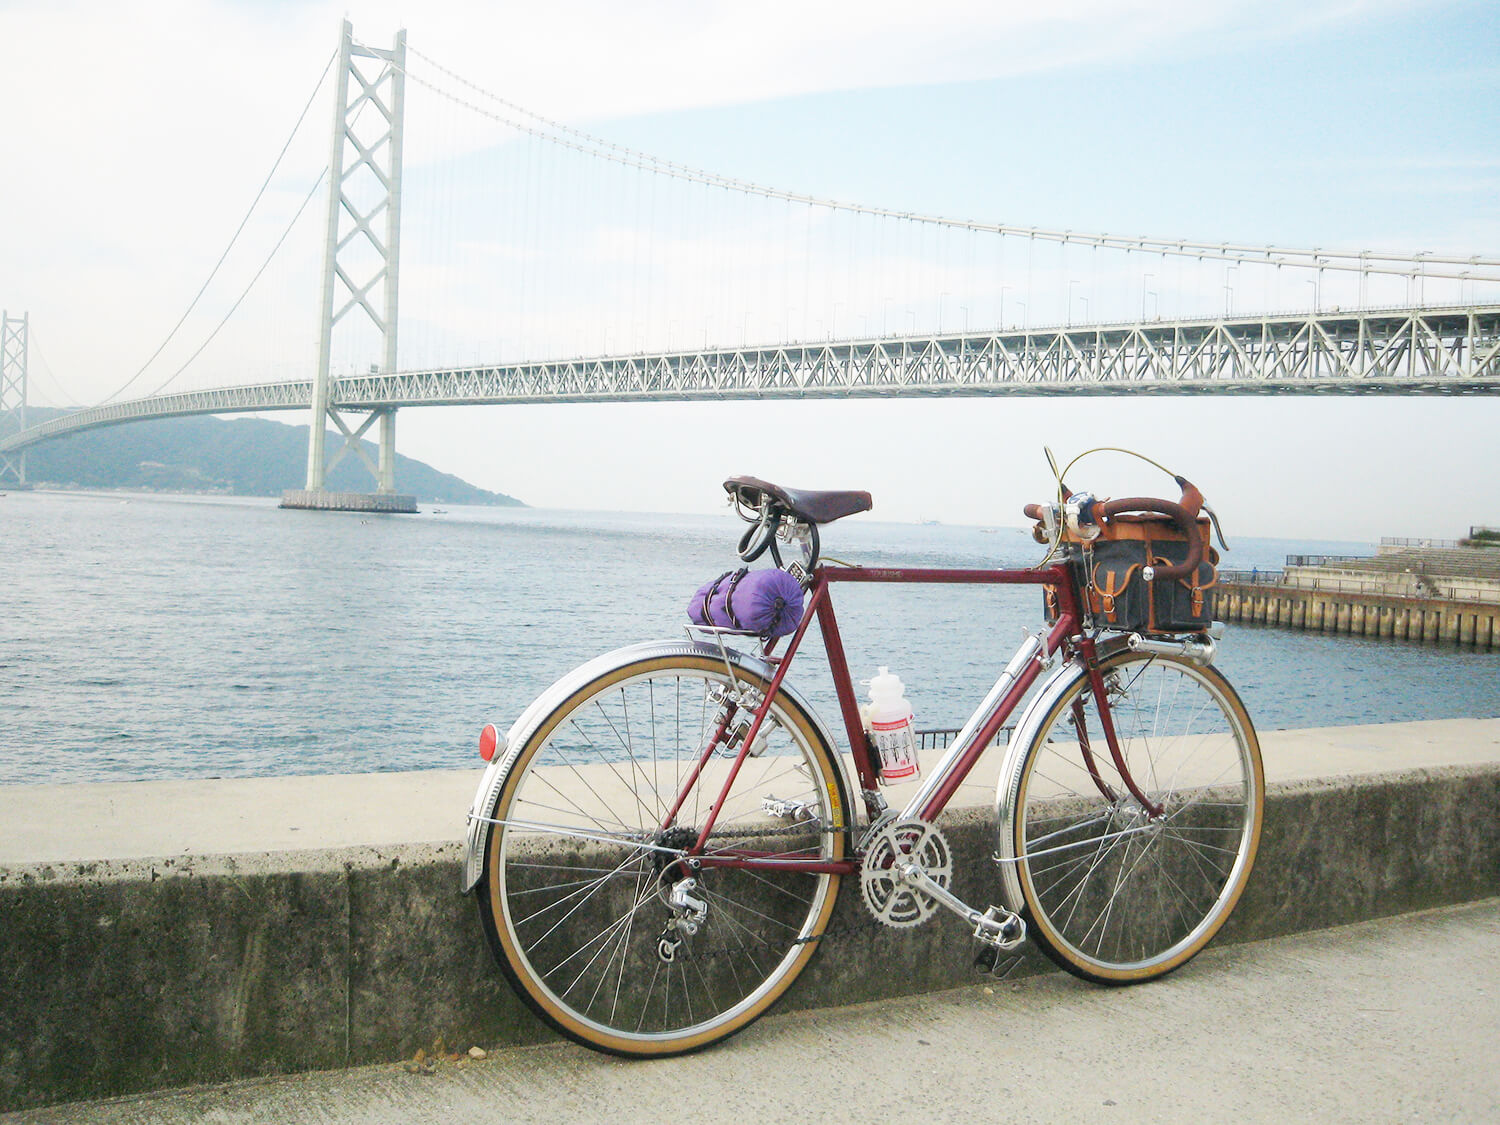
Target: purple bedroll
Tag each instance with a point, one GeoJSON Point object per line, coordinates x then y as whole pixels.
{"type": "Point", "coordinates": [767, 602]}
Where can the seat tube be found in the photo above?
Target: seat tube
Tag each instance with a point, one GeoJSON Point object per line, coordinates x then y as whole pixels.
{"type": "Point", "coordinates": [838, 665]}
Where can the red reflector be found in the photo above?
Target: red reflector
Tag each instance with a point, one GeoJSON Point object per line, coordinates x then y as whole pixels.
{"type": "Point", "coordinates": [489, 738]}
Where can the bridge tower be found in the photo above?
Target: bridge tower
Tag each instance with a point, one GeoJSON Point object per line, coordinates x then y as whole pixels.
{"type": "Point", "coordinates": [13, 333]}
{"type": "Point", "coordinates": [361, 265]}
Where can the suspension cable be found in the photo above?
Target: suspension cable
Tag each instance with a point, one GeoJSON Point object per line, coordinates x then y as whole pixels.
{"type": "Point", "coordinates": [35, 345]}
{"type": "Point", "coordinates": [232, 240]}
{"type": "Point", "coordinates": [1394, 263]}
{"type": "Point", "coordinates": [306, 199]}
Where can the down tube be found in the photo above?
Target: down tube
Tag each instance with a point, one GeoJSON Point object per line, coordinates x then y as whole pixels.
{"type": "Point", "coordinates": [935, 793]}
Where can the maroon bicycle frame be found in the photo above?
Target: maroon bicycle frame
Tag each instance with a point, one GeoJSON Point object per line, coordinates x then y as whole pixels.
{"type": "Point", "coordinates": [1065, 632]}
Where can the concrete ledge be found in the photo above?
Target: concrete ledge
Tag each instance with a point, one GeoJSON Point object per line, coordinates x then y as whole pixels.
{"type": "Point", "coordinates": [142, 973]}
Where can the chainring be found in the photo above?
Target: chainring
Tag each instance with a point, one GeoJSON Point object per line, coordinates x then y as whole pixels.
{"type": "Point", "coordinates": [886, 895]}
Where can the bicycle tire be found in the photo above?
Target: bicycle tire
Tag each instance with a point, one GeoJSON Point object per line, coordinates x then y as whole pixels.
{"type": "Point", "coordinates": [1110, 892]}
{"type": "Point", "coordinates": [574, 913]}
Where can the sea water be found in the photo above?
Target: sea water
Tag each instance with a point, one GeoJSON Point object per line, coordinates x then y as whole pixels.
{"type": "Point", "coordinates": [153, 636]}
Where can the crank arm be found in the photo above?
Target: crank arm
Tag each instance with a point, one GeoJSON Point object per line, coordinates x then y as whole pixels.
{"type": "Point", "coordinates": [994, 927]}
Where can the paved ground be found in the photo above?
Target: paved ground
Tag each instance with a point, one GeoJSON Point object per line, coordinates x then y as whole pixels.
{"type": "Point", "coordinates": [1391, 1021]}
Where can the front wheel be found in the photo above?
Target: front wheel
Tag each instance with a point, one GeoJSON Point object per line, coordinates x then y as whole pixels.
{"type": "Point", "coordinates": [1117, 890]}
{"type": "Point", "coordinates": [591, 897]}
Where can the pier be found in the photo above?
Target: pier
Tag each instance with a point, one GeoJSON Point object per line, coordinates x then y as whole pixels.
{"type": "Point", "coordinates": [320, 500]}
{"type": "Point", "coordinates": [1432, 594]}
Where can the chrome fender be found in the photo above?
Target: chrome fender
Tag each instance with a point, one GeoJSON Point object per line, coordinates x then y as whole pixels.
{"type": "Point", "coordinates": [1028, 727]}
{"type": "Point", "coordinates": [493, 779]}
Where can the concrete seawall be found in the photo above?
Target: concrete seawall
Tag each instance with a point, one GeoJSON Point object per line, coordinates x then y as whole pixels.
{"type": "Point", "coordinates": [1361, 614]}
{"type": "Point", "coordinates": [170, 933]}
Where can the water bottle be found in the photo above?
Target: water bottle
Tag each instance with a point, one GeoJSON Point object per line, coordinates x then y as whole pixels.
{"type": "Point", "coordinates": [892, 734]}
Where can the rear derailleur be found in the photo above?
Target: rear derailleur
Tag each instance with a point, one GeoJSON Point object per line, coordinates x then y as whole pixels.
{"type": "Point", "coordinates": [677, 885]}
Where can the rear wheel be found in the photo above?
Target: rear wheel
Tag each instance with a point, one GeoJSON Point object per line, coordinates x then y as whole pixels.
{"type": "Point", "coordinates": [1119, 891]}
{"type": "Point", "coordinates": [595, 911]}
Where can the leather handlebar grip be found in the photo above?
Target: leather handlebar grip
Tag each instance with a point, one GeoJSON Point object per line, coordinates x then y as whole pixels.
{"type": "Point", "coordinates": [1182, 517]}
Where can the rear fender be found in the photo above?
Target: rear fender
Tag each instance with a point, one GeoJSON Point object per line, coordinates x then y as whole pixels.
{"type": "Point", "coordinates": [481, 811]}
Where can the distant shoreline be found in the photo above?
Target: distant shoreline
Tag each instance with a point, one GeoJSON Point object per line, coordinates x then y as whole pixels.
{"type": "Point", "coordinates": [52, 488]}
{"type": "Point", "coordinates": [211, 456]}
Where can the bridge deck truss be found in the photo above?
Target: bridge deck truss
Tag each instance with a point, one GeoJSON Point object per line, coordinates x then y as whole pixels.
{"type": "Point", "coordinates": [1454, 351]}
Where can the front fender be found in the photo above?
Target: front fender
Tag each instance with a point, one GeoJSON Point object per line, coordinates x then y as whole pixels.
{"type": "Point", "coordinates": [493, 780]}
{"type": "Point", "coordinates": [1028, 728]}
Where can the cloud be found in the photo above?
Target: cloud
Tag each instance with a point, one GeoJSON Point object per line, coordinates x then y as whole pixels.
{"type": "Point", "coordinates": [139, 132]}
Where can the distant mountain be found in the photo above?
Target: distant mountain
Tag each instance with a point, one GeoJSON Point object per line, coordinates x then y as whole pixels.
{"type": "Point", "coordinates": [241, 456]}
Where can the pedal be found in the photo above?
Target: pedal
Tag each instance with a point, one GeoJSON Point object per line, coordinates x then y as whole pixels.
{"type": "Point", "coordinates": [787, 809]}
{"type": "Point", "coordinates": [998, 931]}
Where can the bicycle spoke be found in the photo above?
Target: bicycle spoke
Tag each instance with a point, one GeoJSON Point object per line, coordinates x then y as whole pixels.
{"type": "Point", "coordinates": [582, 898]}
{"type": "Point", "coordinates": [583, 930]}
{"type": "Point", "coordinates": [1114, 892]}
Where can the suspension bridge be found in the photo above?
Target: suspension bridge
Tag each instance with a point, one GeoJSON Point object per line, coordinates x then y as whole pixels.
{"type": "Point", "coordinates": [606, 243]}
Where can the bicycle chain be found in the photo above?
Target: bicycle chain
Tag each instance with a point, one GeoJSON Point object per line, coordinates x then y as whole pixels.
{"type": "Point", "coordinates": [872, 923]}
{"type": "Point", "coordinates": [837, 932]}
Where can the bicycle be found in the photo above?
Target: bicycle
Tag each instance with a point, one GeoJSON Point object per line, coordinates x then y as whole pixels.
{"type": "Point", "coordinates": [659, 840]}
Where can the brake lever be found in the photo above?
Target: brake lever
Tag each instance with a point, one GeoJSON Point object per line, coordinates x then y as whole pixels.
{"type": "Point", "coordinates": [1078, 513]}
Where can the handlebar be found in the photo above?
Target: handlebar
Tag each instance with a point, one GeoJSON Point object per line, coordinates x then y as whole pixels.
{"type": "Point", "coordinates": [1183, 514]}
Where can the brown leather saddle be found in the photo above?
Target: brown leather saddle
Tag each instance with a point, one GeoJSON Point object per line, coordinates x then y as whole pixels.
{"type": "Point", "coordinates": [805, 504]}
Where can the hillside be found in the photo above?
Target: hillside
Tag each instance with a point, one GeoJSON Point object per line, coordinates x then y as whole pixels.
{"type": "Point", "coordinates": [241, 456]}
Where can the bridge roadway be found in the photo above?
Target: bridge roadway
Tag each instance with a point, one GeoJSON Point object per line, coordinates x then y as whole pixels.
{"type": "Point", "coordinates": [1435, 351]}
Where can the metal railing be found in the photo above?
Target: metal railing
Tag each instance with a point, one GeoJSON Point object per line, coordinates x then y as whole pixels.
{"type": "Point", "coordinates": [936, 739]}
{"type": "Point", "coordinates": [1388, 541]}
{"type": "Point", "coordinates": [940, 738]}
{"type": "Point", "coordinates": [1323, 560]}
{"type": "Point", "coordinates": [1252, 577]}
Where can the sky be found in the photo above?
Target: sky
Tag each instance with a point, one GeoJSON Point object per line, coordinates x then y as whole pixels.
{"type": "Point", "coordinates": [137, 133]}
